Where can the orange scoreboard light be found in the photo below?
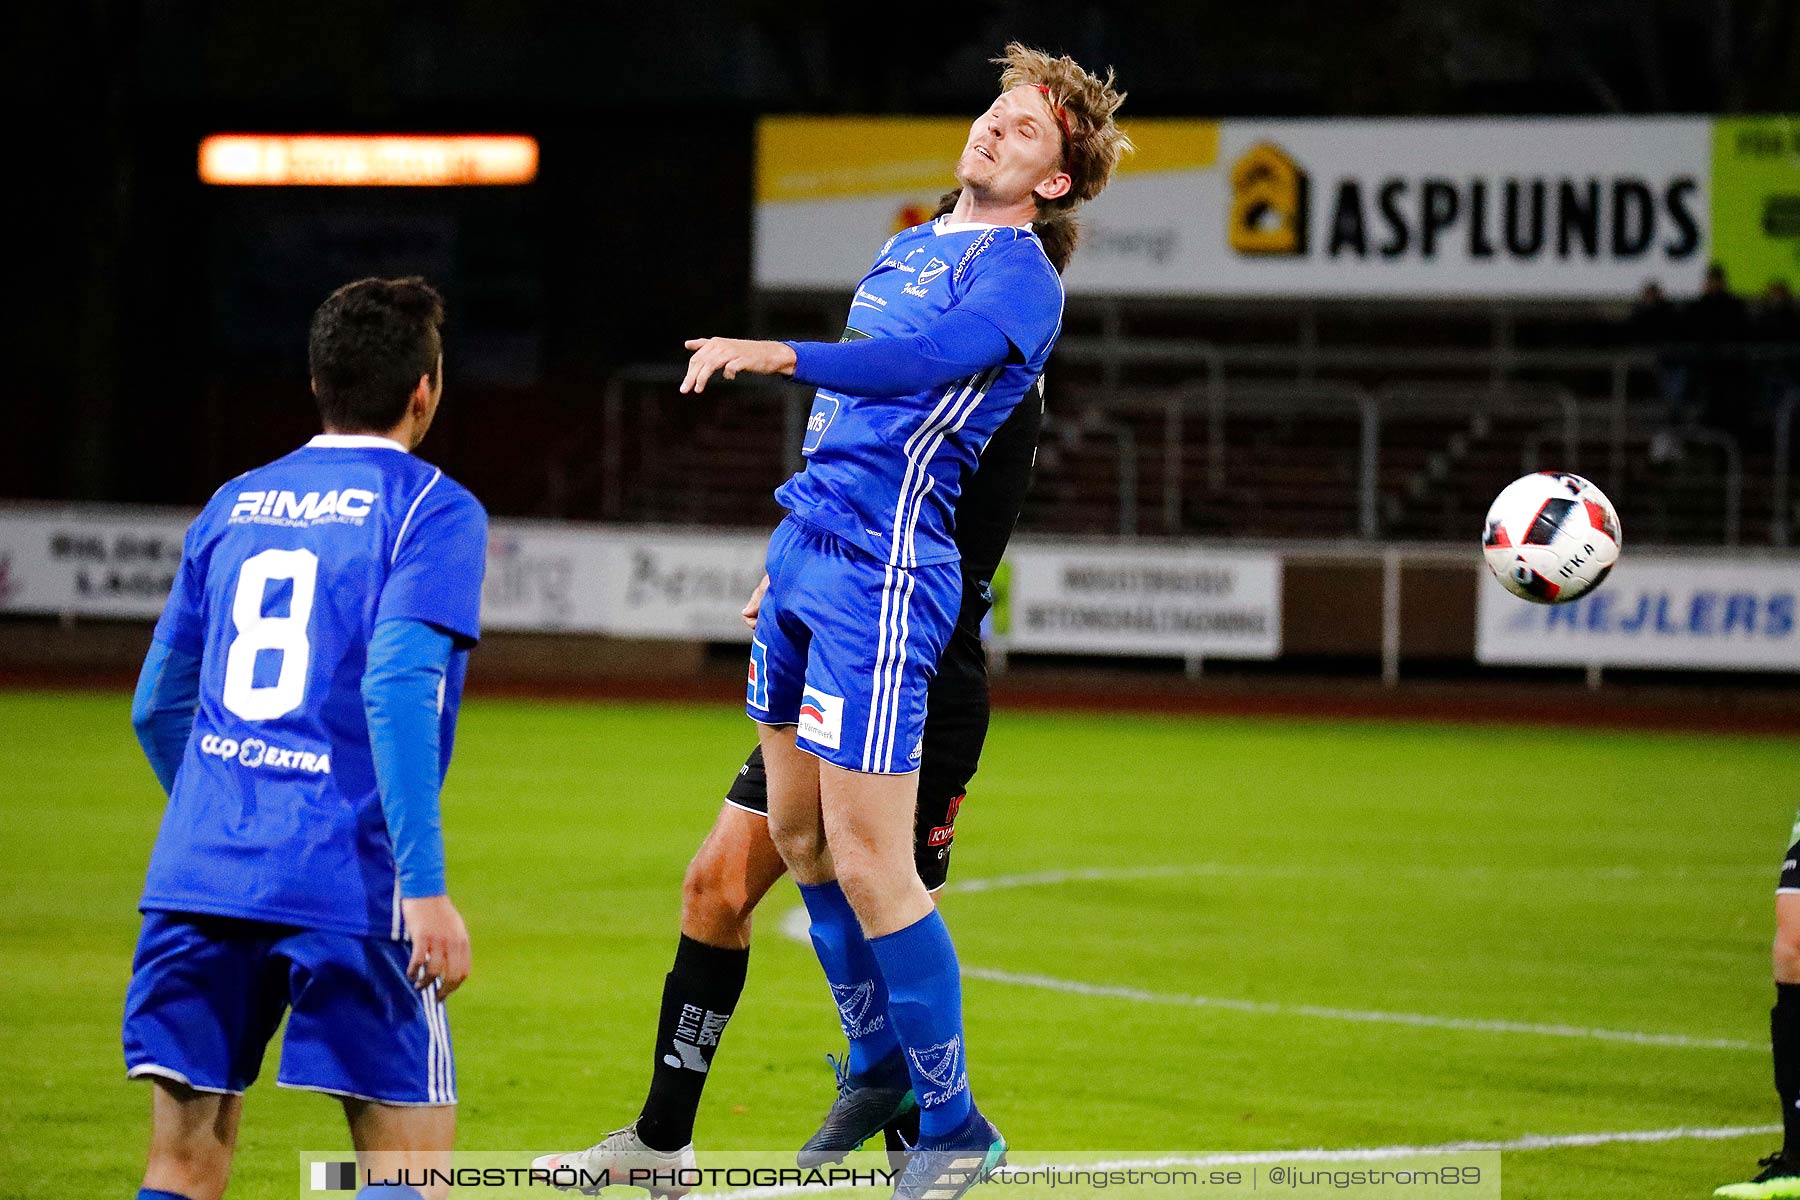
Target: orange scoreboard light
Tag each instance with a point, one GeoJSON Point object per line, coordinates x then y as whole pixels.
{"type": "Point", "coordinates": [367, 160]}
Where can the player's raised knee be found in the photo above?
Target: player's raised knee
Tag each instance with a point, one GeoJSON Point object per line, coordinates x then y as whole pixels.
{"type": "Point", "coordinates": [715, 896]}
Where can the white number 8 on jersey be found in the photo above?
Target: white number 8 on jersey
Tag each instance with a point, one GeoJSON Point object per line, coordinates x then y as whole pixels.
{"type": "Point", "coordinates": [256, 632]}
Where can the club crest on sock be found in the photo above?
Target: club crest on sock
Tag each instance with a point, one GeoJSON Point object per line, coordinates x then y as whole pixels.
{"type": "Point", "coordinates": [854, 1002]}
{"type": "Point", "coordinates": [940, 1063]}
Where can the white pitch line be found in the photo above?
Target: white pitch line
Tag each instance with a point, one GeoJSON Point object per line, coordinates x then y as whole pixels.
{"type": "Point", "coordinates": [1368, 1016]}
{"type": "Point", "coordinates": [794, 926]}
{"type": "Point", "coordinates": [999, 883]}
{"type": "Point", "coordinates": [1530, 1141]}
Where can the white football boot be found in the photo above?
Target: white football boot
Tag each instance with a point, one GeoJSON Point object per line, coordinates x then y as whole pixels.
{"type": "Point", "coordinates": [612, 1162]}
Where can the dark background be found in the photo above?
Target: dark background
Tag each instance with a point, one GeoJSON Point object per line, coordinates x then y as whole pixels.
{"type": "Point", "coordinates": [156, 343]}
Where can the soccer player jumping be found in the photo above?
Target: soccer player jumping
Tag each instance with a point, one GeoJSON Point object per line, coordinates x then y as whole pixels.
{"type": "Point", "coordinates": [737, 864]}
{"type": "Point", "coordinates": [298, 705]}
{"type": "Point", "coordinates": [946, 333]}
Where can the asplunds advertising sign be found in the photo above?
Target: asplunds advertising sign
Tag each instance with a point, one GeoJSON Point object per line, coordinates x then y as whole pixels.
{"type": "Point", "coordinates": [1547, 207]}
{"type": "Point", "coordinates": [1518, 208]}
{"type": "Point", "coordinates": [1697, 613]}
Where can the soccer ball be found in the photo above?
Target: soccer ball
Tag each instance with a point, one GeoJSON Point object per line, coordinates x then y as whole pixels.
{"type": "Point", "coordinates": [1551, 537]}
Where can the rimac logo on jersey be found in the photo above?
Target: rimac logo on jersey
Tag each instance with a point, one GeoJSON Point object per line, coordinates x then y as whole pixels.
{"type": "Point", "coordinates": [350, 506]}
{"type": "Point", "coordinates": [821, 717]}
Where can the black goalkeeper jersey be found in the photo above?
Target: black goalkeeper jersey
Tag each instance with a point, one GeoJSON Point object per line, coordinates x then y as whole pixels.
{"type": "Point", "coordinates": [988, 508]}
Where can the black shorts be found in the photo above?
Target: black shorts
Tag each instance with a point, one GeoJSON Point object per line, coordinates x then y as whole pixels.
{"type": "Point", "coordinates": [1789, 879]}
{"type": "Point", "coordinates": [956, 724]}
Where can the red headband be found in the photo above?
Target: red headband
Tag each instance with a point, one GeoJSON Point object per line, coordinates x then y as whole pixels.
{"type": "Point", "coordinates": [1056, 108]}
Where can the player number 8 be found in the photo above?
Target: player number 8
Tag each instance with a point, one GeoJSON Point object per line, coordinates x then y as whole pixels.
{"type": "Point", "coordinates": [258, 632]}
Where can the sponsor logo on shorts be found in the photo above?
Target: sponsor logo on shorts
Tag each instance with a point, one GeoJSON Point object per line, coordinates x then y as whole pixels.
{"type": "Point", "coordinates": [758, 694]}
{"type": "Point", "coordinates": [821, 717]}
{"type": "Point", "coordinates": [943, 835]}
{"type": "Point", "coordinates": [256, 753]}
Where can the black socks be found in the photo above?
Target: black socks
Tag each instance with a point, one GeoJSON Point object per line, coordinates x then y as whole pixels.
{"type": "Point", "coordinates": [699, 992]}
{"type": "Point", "coordinates": [1784, 1041]}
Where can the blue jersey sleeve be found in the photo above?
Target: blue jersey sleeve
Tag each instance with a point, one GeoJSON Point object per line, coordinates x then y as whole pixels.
{"type": "Point", "coordinates": [1015, 288]}
{"type": "Point", "coordinates": [953, 346]}
{"type": "Point", "coordinates": [183, 621]}
{"type": "Point", "coordinates": [407, 665]}
{"type": "Point", "coordinates": [439, 558]}
{"type": "Point", "coordinates": [162, 709]}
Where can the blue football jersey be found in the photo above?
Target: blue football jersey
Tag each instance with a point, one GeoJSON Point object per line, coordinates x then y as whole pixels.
{"type": "Point", "coordinates": [883, 473]}
{"type": "Point", "coordinates": [274, 814]}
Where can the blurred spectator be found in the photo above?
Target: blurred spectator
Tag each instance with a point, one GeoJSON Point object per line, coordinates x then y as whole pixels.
{"type": "Point", "coordinates": [1654, 323]}
{"type": "Point", "coordinates": [1700, 366]}
{"type": "Point", "coordinates": [1716, 324]}
{"type": "Point", "coordinates": [1775, 327]}
{"type": "Point", "coordinates": [1651, 325]}
{"type": "Point", "coordinates": [1652, 318]}
{"type": "Point", "coordinates": [1715, 317]}
{"type": "Point", "coordinates": [1776, 319]}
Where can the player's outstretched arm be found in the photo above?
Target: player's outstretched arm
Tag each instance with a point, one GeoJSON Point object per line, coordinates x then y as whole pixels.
{"type": "Point", "coordinates": [162, 709]}
{"type": "Point", "coordinates": [955, 346]}
{"type": "Point", "coordinates": [406, 666]}
{"type": "Point", "coordinates": [729, 356]}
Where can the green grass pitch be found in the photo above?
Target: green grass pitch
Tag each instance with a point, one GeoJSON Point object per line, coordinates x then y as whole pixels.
{"type": "Point", "coordinates": [1592, 880]}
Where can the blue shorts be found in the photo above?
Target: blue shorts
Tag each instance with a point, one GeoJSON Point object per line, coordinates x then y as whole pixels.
{"type": "Point", "coordinates": [846, 646]}
{"type": "Point", "coordinates": [207, 993]}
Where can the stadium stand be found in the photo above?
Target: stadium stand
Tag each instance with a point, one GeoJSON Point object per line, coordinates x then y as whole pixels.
{"type": "Point", "coordinates": [1314, 421]}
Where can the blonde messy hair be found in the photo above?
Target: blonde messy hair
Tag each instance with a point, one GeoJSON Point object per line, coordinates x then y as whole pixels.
{"type": "Point", "coordinates": [1093, 143]}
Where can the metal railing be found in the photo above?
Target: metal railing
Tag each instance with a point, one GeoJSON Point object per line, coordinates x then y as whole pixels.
{"type": "Point", "coordinates": [1212, 399]}
{"type": "Point", "coordinates": [1125, 438]}
{"type": "Point", "coordinates": [1781, 504]}
{"type": "Point", "coordinates": [1727, 446]}
{"type": "Point", "coordinates": [617, 424]}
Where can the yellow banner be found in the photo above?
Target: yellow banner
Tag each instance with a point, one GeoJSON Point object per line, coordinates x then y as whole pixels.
{"type": "Point", "coordinates": [822, 158]}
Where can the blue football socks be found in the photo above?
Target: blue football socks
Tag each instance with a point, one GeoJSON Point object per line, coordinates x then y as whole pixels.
{"type": "Point", "coordinates": [925, 1005]}
{"type": "Point", "coordinates": [856, 984]}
